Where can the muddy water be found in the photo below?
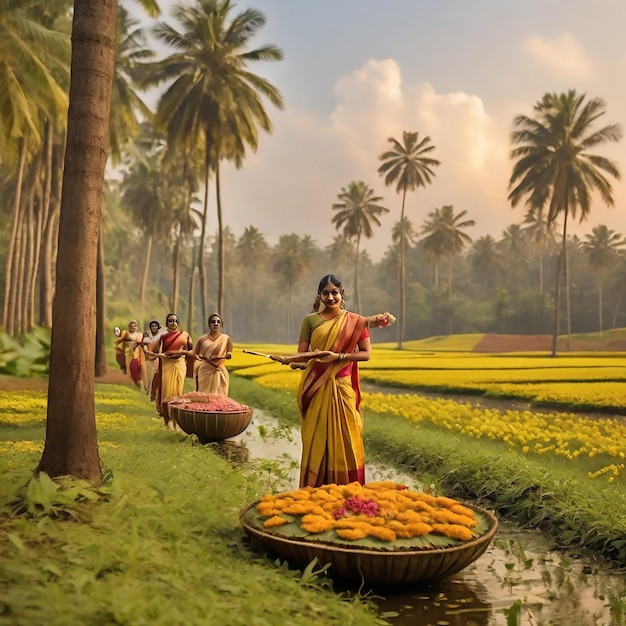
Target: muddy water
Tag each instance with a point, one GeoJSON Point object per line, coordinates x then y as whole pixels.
{"type": "Point", "coordinates": [519, 581]}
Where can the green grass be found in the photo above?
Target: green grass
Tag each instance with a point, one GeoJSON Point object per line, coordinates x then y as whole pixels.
{"type": "Point", "coordinates": [159, 543]}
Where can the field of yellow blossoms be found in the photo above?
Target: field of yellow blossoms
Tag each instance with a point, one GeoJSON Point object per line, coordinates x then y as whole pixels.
{"type": "Point", "coordinates": [588, 382]}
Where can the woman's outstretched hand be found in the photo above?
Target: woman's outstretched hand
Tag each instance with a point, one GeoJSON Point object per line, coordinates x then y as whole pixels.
{"type": "Point", "coordinates": [380, 320]}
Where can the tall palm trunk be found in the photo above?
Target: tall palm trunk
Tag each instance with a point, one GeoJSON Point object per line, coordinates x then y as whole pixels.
{"type": "Point", "coordinates": [144, 278]}
{"type": "Point", "coordinates": [357, 293]}
{"type": "Point", "coordinates": [600, 305]}
{"type": "Point", "coordinates": [191, 314]}
{"type": "Point", "coordinates": [44, 220]}
{"type": "Point", "coordinates": [450, 296]}
{"type": "Point", "coordinates": [71, 446]}
{"type": "Point", "coordinates": [201, 268]}
{"type": "Point", "coordinates": [220, 243]}
{"type": "Point", "coordinates": [557, 301]}
{"type": "Point", "coordinates": [101, 367]}
{"type": "Point", "coordinates": [33, 241]}
{"type": "Point", "coordinates": [176, 270]}
{"type": "Point", "coordinates": [8, 309]}
{"type": "Point", "coordinates": [567, 282]}
{"type": "Point", "coordinates": [402, 285]}
{"type": "Point", "coordinates": [616, 312]}
{"type": "Point", "coordinates": [205, 213]}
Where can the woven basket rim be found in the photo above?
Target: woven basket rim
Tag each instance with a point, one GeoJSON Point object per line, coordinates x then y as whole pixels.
{"type": "Point", "coordinates": [181, 407]}
{"type": "Point", "coordinates": [324, 545]}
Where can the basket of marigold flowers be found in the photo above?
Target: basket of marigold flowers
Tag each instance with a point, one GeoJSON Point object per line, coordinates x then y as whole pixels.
{"type": "Point", "coordinates": [209, 416]}
{"type": "Point", "coordinates": [380, 532]}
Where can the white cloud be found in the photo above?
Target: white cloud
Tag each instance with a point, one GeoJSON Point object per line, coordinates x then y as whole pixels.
{"type": "Point", "coordinates": [563, 57]}
{"type": "Point", "coordinates": [290, 185]}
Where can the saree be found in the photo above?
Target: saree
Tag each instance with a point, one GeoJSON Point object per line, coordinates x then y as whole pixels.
{"type": "Point", "coordinates": [332, 423]}
{"type": "Point", "coordinates": [169, 381]}
{"type": "Point", "coordinates": [133, 356]}
{"type": "Point", "coordinates": [212, 376]}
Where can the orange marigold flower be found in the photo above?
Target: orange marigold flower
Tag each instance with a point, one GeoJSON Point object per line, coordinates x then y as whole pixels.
{"type": "Point", "coordinates": [409, 516]}
{"type": "Point", "coordinates": [351, 533]}
{"type": "Point", "coordinates": [399, 528]}
{"type": "Point", "coordinates": [316, 523]}
{"type": "Point", "coordinates": [274, 521]}
{"type": "Point", "coordinates": [298, 508]}
{"type": "Point", "coordinates": [422, 506]}
{"type": "Point", "coordinates": [267, 509]}
{"type": "Point", "coordinates": [420, 496]}
{"type": "Point", "coordinates": [346, 522]}
{"type": "Point", "coordinates": [381, 532]}
{"type": "Point", "coordinates": [455, 531]}
{"type": "Point", "coordinates": [443, 516]}
{"type": "Point", "coordinates": [321, 494]}
{"type": "Point", "coordinates": [384, 484]}
{"type": "Point", "coordinates": [444, 501]}
{"type": "Point", "coordinates": [417, 529]}
{"type": "Point", "coordinates": [459, 509]}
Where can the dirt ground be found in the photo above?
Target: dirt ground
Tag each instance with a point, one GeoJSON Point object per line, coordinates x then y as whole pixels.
{"type": "Point", "coordinates": [541, 343]}
{"type": "Point", "coordinates": [12, 383]}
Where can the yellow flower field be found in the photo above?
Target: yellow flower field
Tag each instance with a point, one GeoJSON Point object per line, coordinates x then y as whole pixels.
{"type": "Point", "coordinates": [581, 380]}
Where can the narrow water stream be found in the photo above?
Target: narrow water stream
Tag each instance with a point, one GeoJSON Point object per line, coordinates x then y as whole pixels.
{"type": "Point", "coordinates": [518, 581]}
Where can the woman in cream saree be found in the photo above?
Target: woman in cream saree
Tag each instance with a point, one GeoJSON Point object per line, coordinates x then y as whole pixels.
{"type": "Point", "coordinates": [212, 350]}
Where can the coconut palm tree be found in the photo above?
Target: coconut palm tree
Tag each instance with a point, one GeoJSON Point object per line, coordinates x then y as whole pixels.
{"type": "Point", "coordinates": [554, 166]}
{"type": "Point", "coordinates": [409, 165]}
{"type": "Point", "coordinates": [514, 245]}
{"type": "Point", "coordinates": [602, 248]}
{"type": "Point", "coordinates": [444, 237]}
{"type": "Point", "coordinates": [71, 446]}
{"type": "Point", "coordinates": [34, 63]}
{"type": "Point", "coordinates": [213, 99]}
{"type": "Point", "coordinates": [403, 231]}
{"type": "Point", "coordinates": [487, 260]}
{"type": "Point", "coordinates": [252, 252]}
{"type": "Point", "coordinates": [541, 235]}
{"type": "Point", "coordinates": [341, 253]}
{"type": "Point", "coordinates": [127, 107]}
{"type": "Point", "coordinates": [357, 213]}
{"type": "Point", "coordinates": [292, 255]}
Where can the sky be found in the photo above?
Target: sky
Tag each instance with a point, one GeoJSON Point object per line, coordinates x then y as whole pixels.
{"type": "Point", "coordinates": [357, 72]}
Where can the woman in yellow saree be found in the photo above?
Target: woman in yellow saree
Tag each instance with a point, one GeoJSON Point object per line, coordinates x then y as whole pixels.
{"type": "Point", "coordinates": [332, 342]}
{"type": "Point", "coordinates": [212, 350]}
{"type": "Point", "coordinates": [172, 348]}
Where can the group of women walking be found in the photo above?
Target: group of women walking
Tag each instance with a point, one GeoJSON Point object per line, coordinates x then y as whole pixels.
{"type": "Point", "coordinates": [332, 342]}
{"type": "Point", "coordinates": [160, 360]}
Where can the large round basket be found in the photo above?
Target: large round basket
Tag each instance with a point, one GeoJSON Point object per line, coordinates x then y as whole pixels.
{"type": "Point", "coordinates": [211, 426]}
{"type": "Point", "coordinates": [376, 567]}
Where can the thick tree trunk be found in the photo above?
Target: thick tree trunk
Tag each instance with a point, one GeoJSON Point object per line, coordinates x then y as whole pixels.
{"type": "Point", "coordinates": [71, 445]}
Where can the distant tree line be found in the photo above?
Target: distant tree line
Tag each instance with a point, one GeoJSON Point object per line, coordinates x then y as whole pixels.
{"type": "Point", "coordinates": [155, 254]}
